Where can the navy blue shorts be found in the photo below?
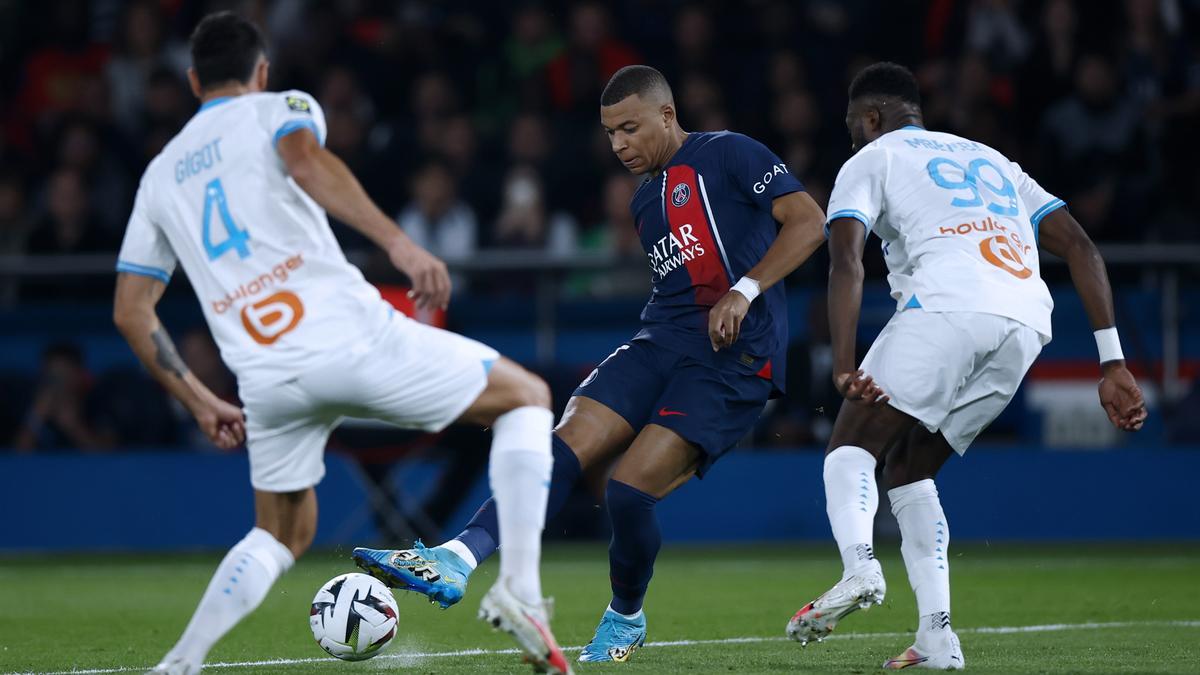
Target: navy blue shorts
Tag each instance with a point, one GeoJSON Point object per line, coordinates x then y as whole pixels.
{"type": "Point", "coordinates": [709, 406]}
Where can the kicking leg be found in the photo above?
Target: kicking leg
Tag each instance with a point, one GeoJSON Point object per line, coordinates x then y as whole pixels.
{"type": "Point", "coordinates": [589, 436]}
{"type": "Point", "coordinates": [516, 404]}
{"type": "Point", "coordinates": [861, 434]}
{"type": "Point", "coordinates": [909, 470]}
{"type": "Point", "coordinates": [657, 462]}
{"type": "Point", "coordinates": [588, 439]}
{"type": "Point", "coordinates": [284, 528]}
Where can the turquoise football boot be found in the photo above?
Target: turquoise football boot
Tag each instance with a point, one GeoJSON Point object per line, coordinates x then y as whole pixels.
{"type": "Point", "coordinates": [617, 638]}
{"type": "Point", "coordinates": [436, 573]}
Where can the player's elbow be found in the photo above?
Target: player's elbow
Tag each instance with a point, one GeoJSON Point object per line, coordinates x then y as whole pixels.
{"type": "Point", "coordinates": [123, 319]}
{"type": "Point", "coordinates": [845, 267]}
{"type": "Point", "coordinates": [129, 317]}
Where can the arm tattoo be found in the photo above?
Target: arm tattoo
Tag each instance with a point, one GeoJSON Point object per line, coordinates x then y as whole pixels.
{"type": "Point", "coordinates": [166, 357]}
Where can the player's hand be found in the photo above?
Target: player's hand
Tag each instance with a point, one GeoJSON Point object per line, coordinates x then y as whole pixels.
{"type": "Point", "coordinates": [725, 319]}
{"type": "Point", "coordinates": [1121, 397]}
{"type": "Point", "coordinates": [222, 422]}
{"type": "Point", "coordinates": [430, 280]}
{"type": "Point", "coordinates": [859, 387]}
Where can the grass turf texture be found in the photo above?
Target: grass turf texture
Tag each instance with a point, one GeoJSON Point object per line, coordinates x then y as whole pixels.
{"type": "Point", "coordinates": [125, 611]}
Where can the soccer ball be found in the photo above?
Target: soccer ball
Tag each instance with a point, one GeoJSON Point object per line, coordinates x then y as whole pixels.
{"type": "Point", "coordinates": [353, 616]}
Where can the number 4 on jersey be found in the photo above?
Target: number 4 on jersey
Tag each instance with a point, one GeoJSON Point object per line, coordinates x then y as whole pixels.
{"type": "Point", "coordinates": [214, 198]}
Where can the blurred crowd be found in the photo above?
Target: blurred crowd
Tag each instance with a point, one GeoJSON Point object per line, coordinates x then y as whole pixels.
{"type": "Point", "coordinates": [476, 123]}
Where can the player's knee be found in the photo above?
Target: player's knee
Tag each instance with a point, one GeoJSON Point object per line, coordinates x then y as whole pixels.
{"type": "Point", "coordinates": [532, 391]}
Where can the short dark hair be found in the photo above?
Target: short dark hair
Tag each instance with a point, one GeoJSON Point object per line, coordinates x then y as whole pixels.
{"type": "Point", "coordinates": [886, 79]}
{"type": "Point", "coordinates": [225, 47]}
{"type": "Point", "coordinates": [630, 80]}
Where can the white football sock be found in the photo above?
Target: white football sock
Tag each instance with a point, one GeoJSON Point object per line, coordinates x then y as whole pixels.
{"type": "Point", "coordinates": [851, 500]}
{"type": "Point", "coordinates": [926, 540]}
{"type": "Point", "coordinates": [519, 473]}
{"type": "Point", "coordinates": [236, 589]}
{"type": "Point", "coordinates": [460, 549]}
{"type": "Point", "coordinates": [628, 617]}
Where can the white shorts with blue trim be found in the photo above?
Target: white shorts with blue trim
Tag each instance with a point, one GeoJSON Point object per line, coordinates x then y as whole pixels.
{"type": "Point", "coordinates": [953, 371]}
{"type": "Point", "coordinates": [412, 375]}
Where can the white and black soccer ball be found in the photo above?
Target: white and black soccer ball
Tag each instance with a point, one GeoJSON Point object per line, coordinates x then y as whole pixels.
{"type": "Point", "coordinates": [353, 616]}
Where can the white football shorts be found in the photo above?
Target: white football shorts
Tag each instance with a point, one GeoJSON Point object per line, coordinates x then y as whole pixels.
{"type": "Point", "coordinates": [411, 375]}
{"type": "Point", "coordinates": [953, 371]}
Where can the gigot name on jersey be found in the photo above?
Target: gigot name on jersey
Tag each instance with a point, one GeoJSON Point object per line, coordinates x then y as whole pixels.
{"type": "Point", "coordinates": [196, 161]}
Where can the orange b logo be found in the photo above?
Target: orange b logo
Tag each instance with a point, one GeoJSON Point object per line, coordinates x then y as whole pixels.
{"type": "Point", "coordinates": [270, 318]}
{"type": "Point", "coordinates": [1000, 252]}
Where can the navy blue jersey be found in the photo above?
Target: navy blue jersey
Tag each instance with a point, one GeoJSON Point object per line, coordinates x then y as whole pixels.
{"type": "Point", "coordinates": [704, 221]}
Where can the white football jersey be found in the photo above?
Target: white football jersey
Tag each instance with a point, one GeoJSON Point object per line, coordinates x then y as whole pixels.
{"type": "Point", "coordinates": [958, 222]}
{"type": "Point", "coordinates": [276, 289]}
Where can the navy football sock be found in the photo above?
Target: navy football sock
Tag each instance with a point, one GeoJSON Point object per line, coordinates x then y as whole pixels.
{"type": "Point", "coordinates": [635, 543]}
{"type": "Point", "coordinates": [483, 530]}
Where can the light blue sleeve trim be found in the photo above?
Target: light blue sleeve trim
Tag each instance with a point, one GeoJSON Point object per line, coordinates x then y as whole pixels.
{"type": "Point", "coordinates": [1036, 218]}
{"type": "Point", "coordinates": [296, 125]}
{"type": "Point", "coordinates": [847, 213]}
{"type": "Point", "coordinates": [144, 270]}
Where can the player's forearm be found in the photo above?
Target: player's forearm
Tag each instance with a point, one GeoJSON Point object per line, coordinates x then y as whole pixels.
{"type": "Point", "coordinates": [845, 299]}
{"type": "Point", "coordinates": [795, 243]}
{"type": "Point", "coordinates": [1090, 277]}
{"type": "Point", "coordinates": [1063, 236]}
{"type": "Point", "coordinates": [330, 183]}
{"type": "Point", "coordinates": [800, 233]}
{"type": "Point", "coordinates": [154, 348]}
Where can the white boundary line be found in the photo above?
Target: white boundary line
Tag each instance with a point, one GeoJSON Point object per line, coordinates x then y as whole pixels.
{"type": "Point", "coordinates": [984, 630]}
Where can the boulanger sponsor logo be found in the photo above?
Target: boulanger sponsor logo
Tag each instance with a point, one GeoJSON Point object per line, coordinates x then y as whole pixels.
{"type": "Point", "coordinates": [1001, 252]}
{"type": "Point", "coordinates": [1004, 249]}
{"type": "Point", "coordinates": [680, 194]}
{"type": "Point", "coordinates": [270, 318]}
{"type": "Point", "coordinates": [279, 274]}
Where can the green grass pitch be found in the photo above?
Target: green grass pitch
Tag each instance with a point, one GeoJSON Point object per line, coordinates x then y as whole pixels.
{"type": "Point", "coordinates": [1128, 608]}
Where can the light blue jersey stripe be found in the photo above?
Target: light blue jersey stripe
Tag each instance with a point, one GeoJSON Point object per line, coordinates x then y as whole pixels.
{"type": "Point", "coordinates": [297, 125]}
{"type": "Point", "coordinates": [847, 213]}
{"type": "Point", "coordinates": [144, 270]}
{"type": "Point", "coordinates": [1036, 218]}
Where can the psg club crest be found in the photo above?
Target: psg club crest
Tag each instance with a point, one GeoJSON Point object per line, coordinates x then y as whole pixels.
{"type": "Point", "coordinates": [680, 194]}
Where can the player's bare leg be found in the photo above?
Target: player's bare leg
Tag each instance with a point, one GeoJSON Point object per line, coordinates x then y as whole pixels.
{"type": "Point", "coordinates": [861, 434]}
{"type": "Point", "coordinates": [657, 463]}
{"type": "Point", "coordinates": [909, 470]}
{"type": "Point", "coordinates": [284, 527]}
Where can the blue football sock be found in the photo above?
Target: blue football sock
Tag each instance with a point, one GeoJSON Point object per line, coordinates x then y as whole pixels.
{"type": "Point", "coordinates": [635, 543]}
{"type": "Point", "coordinates": [483, 531]}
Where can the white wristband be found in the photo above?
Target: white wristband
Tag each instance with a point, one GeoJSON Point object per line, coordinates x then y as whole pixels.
{"type": "Point", "coordinates": [1108, 343]}
{"type": "Point", "coordinates": [747, 287]}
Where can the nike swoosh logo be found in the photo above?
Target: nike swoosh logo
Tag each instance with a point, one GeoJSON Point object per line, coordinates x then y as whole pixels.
{"type": "Point", "coordinates": [663, 412]}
